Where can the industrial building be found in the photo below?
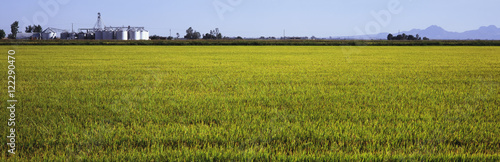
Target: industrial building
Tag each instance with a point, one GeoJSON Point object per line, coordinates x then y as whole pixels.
{"type": "Point", "coordinates": [101, 32]}
{"type": "Point", "coordinates": [114, 33]}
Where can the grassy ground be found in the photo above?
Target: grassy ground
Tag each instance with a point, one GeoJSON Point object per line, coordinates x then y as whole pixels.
{"type": "Point", "coordinates": [242, 103]}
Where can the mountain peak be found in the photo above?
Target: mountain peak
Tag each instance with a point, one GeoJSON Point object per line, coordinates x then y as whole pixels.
{"type": "Point", "coordinates": [435, 27]}
{"type": "Point", "coordinates": [489, 27]}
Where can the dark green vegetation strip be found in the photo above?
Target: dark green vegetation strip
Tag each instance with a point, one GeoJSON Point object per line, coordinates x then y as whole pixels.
{"type": "Point", "coordinates": [259, 42]}
{"type": "Point", "coordinates": [202, 103]}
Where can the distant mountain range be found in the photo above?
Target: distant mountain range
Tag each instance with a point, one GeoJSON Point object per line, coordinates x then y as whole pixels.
{"type": "Point", "coordinates": [435, 32]}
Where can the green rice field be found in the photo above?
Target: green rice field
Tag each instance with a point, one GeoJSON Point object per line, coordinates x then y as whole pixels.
{"type": "Point", "coordinates": [244, 103]}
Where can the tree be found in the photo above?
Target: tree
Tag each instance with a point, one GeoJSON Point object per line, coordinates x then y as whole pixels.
{"type": "Point", "coordinates": [14, 29]}
{"type": "Point", "coordinates": [214, 34]}
{"type": "Point", "coordinates": [404, 37]}
{"type": "Point", "coordinates": [33, 29]}
{"type": "Point", "coordinates": [192, 34]}
{"type": "Point", "coordinates": [189, 33]}
{"type": "Point", "coordinates": [411, 37]}
{"type": "Point", "coordinates": [178, 35]}
{"type": "Point", "coordinates": [157, 37]}
{"type": "Point", "coordinates": [2, 34]}
{"type": "Point", "coordinates": [219, 36]}
{"type": "Point", "coordinates": [196, 35]}
{"type": "Point", "coordinates": [37, 29]}
{"type": "Point", "coordinates": [399, 37]}
{"type": "Point", "coordinates": [29, 29]}
{"type": "Point", "coordinates": [425, 38]}
{"type": "Point", "coordinates": [208, 36]}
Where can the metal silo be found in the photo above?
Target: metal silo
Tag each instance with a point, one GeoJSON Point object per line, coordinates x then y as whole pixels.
{"type": "Point", "coordinates": [121, 34]}
{"type": "Point", "coordinates": [144, 35]}
{"type": "Point", "coordinates": [72, 35]}
{"type": "Point", "coordinates": [108, 35]}
{"type": "Point", "coordinates": [98, 35]}
{"type": "Point", "coordinates": [130, 35]}
{"type": "Point", "coordinates": [69, 36]}
{"type": "Point", "coordinates": [90, 35]}
{"type": "Point", "coordinates": [82, 35]}
{"type": "Point", "coordinates": [46, 36]}
{"type": "Point", "coordinates": [134, 34]}
{"type": "Point", "coordinates": [64, 35]}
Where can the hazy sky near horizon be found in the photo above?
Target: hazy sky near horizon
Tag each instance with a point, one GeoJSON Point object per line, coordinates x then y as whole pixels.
{"type": "Point", "coordinates": [255, 18]}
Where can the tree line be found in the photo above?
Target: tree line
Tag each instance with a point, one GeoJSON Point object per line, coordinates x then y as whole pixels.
{"type": "Point", "coordinates": [405, 37]}
{"type": "Point", "coordinates": [193, 34]}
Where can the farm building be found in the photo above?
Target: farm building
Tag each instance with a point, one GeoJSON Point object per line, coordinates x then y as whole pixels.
{"type": "Point", "coordinates": [35, 36]}
{"type": "Point", "coordinates": [24, 35]}
{"type": "Point", "coordinates": [49, 33]}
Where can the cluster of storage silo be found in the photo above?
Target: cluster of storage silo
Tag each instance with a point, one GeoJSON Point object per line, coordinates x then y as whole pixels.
{"type": "Point", "coordinates": [138, 34]}
{"type": "Point", "coordinates": [82, 36]}
{"type": "Point", "coordinates": [122, 34]}
{"type": "Point", "coordinates": [101, 32]}
{"type": "Point", "coordinates": [70, 35]}
{"type": "Point", "coordinates": [105, 34]}
{"type": "Point", "coordinates": [79, 36]}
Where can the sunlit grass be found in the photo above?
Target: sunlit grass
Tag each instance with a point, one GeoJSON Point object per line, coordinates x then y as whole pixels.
{"type": "Point", "coordinates": [248, 102]}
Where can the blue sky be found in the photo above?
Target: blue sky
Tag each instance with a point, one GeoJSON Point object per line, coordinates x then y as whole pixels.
{"type": "Point", "coordinates": [254, 18]}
